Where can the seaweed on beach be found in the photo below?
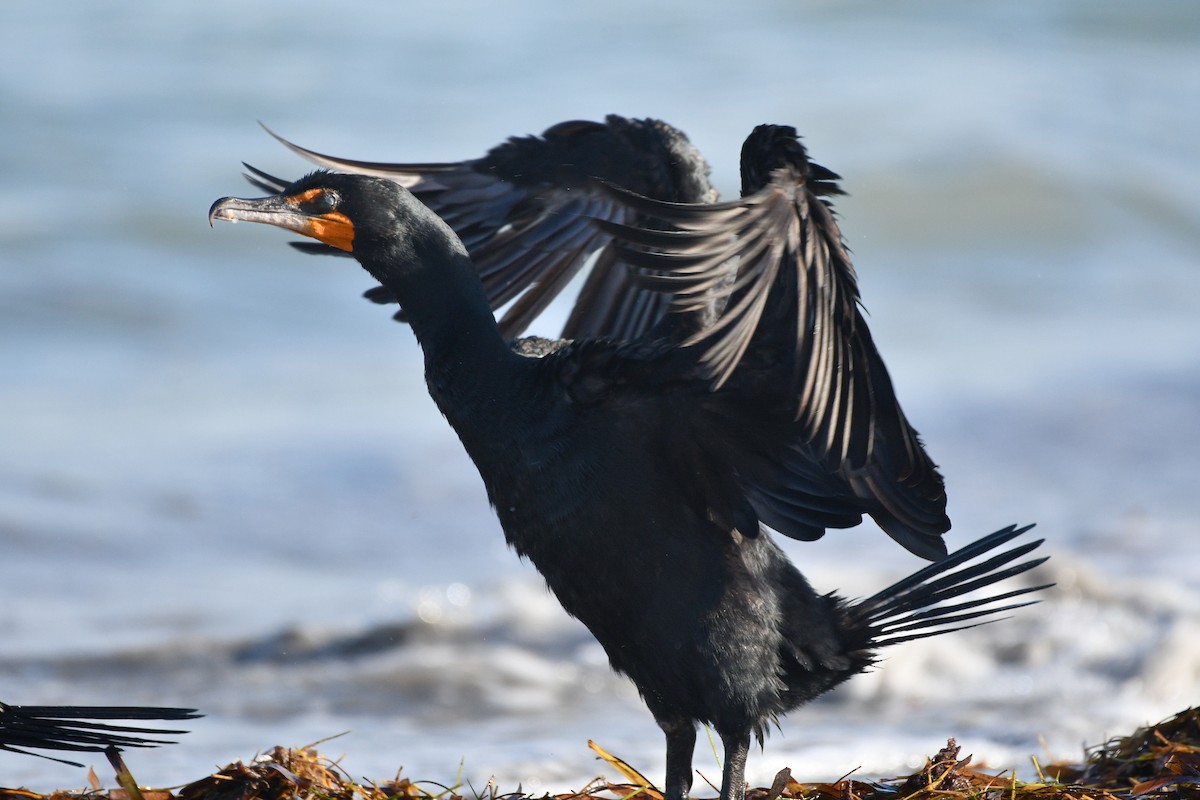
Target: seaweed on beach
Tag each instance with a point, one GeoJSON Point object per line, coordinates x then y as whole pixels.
{"type": "Point", "coordinates": [1158, 761]}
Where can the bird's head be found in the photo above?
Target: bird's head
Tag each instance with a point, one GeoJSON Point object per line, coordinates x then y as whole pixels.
{"type": "Point", "coordinates": [343, 211]}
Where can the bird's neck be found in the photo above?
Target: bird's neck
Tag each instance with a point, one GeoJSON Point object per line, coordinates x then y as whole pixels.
{"type": "Point", "coordinates": [466, 359]}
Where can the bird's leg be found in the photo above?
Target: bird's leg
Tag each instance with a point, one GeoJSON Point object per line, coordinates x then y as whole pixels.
{"type": "Point", "coordinates": [681, 743]}
{"type": "Point", "coordinates": [733, 779]}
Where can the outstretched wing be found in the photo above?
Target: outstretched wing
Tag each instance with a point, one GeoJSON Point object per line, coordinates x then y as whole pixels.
{"type": "Point", "coordinates": [792, 324]}
{"type": "Point", "coordinates": [525, 214]}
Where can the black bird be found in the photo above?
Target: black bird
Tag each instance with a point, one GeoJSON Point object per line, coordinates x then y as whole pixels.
{"type": "Point", "coordinates": [82, 728]}
{"type": "Point", "coordinates": [519, 211]}
{"type": "Point", "coordinates": [627, 475]}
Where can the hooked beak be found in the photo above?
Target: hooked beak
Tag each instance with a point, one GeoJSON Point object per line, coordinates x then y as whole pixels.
{"type": "Point", "coordinates": [283, 211]}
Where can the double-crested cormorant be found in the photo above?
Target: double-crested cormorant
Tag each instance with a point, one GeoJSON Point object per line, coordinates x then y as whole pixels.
{"type": "Point", "coordinates": [520, 212]}
{"type": "Point", "coordinates": [82, 728]}
{"type": "Point", "coordinates": [632, 473]}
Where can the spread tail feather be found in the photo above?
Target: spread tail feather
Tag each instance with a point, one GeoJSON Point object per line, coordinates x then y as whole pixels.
{"type": "Point", "coordinates": [79, 729]}
{"type": "Point", "coordinates": [909, 609]}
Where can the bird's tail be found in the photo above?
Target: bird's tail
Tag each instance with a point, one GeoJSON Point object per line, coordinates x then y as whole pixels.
{"type": "Point", "coordinates": [82, 728]}
{"type": "Point", "coordinates": [914, 608]}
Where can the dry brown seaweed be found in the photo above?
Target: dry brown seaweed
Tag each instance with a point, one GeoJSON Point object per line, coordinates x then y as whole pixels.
{"type": "Point", "coordinates": [1149, 761]}
{"type": "Point", "coordinates": [1158, 761]}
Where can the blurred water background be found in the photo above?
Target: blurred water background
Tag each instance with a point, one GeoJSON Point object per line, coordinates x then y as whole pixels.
{"type": "Point", "coordinates": [222, 483]}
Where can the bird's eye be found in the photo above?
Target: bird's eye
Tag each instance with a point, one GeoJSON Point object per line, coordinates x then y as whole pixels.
{"type": "Point", "coordinates": [323, 203]}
